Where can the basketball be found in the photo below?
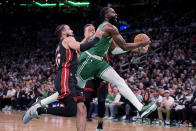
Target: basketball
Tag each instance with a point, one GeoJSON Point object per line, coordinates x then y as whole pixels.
{"type": "Point", "coordinates": [141, 37]}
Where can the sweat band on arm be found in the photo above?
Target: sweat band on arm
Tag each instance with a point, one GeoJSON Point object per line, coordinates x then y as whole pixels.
{"type": "Point", "coordinates": [88, 45]}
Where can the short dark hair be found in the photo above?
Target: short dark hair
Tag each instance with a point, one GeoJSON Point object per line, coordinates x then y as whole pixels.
{"type": "Point", "coordinates": [87, 25]}
{"type": "Point", "coordinates": [59, 29]}
{"type": "Point", "coordinates": [103, 12]}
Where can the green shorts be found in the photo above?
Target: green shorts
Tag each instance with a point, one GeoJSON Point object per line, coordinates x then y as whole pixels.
{"type": "Point", "coordinates": [89, 66]}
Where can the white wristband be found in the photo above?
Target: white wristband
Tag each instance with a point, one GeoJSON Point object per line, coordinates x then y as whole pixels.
{"type": "Point", "coordinates": [118, 50]}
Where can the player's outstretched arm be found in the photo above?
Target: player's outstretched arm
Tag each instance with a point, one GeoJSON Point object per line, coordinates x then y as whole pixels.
{"type": "Point", "coordinates": [87, 45]}
{"type": "Point", "coordinates": [116, 50]}
{"type": "Point", "coordinates": [119, 40]}
{"type": "Point", "coordinates": [73, 44]}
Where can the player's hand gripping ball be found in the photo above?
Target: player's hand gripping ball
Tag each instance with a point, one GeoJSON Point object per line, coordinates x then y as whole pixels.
{"type": "Point", "coordinates": [139, 38]}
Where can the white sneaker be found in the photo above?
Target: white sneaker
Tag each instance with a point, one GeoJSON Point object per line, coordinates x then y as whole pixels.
{"type": "Point", "coordinates": [5, 108]}
{"type": "Point", "coordinates": [9, 108]}
{"type": "Point", "coordinates": [123, 117]}
{"type": "Point", "coordinates": [146, 110]}
{"type": "Point", "coordinates": [167, 122]}
{"type": "Point", "coordinates": [190, 125]}
{"type": "Point", "coordinates": [31, 113]}
{"type": "Point", "coordinates": [106, 117]}
{"type": "Point", "coordinates": [110, 117]}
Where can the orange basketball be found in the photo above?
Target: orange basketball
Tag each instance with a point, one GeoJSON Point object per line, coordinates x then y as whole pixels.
{"type": "Point", "coordinates": [140, 37]}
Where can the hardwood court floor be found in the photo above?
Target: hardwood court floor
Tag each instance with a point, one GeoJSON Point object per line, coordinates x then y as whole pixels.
{"type": "Point", "coordinates": [13, 122]}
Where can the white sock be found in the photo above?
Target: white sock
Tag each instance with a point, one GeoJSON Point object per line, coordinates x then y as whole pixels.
{"type": "Point", "coordinates": [111, 75]}
{"type": "Point", "coordinates": [50, 99]}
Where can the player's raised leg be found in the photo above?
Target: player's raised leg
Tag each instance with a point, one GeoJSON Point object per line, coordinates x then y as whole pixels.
{"type": "Point", "coordinates": [111, 75]}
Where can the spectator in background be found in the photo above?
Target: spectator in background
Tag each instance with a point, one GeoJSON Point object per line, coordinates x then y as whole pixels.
{"type": "Point", "coordinates": [147, 96]}
{"type": "Point", "coordinates": [112, 104]}
{"type": "Point", "coordinates": [187, 119]}
{"type": "Point", "coordinates": [179, 105]}
{"type": "Point", "coordinates": [165, 107]}
{"type": "Point", "coordinates": [9, 98]}
{"type": "Point", "coordinates": [188, 94]}
{"type": "Point", "coordinates": [20, 99]}
{"type": "Point", "coordinates": [109, 99]}
{"type": "Point", "coordinates": [161, 91]}
{"type": "Point", "coordinates": [156, 97]}
{"type": "Point", "coordinates": [192, 105]}
{"type": "Point", "coordinates": [137, 93]}
{"type": "Point", "coordinates": [1, 95]}
{"type": "Point", "coordinates": [93, 110]}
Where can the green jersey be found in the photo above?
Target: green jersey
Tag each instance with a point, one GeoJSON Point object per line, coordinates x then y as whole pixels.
{"type": "Point", "coordinates": [101, 47]}
{"type": "Point", "coordinates": [90, 64]}
{"type": "Point", "coordinates": [110, 98]}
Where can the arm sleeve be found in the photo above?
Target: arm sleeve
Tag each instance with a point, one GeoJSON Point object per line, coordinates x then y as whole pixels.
{"type": "Point", "coordinates": [88, 45]}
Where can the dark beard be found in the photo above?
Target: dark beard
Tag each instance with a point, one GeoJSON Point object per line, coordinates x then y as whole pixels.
{"type": "Point", "coordinates": [113, 21]}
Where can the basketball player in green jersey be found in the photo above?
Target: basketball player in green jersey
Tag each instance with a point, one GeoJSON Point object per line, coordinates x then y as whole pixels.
{"type": "Point", "coordinates": [92, 64]}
